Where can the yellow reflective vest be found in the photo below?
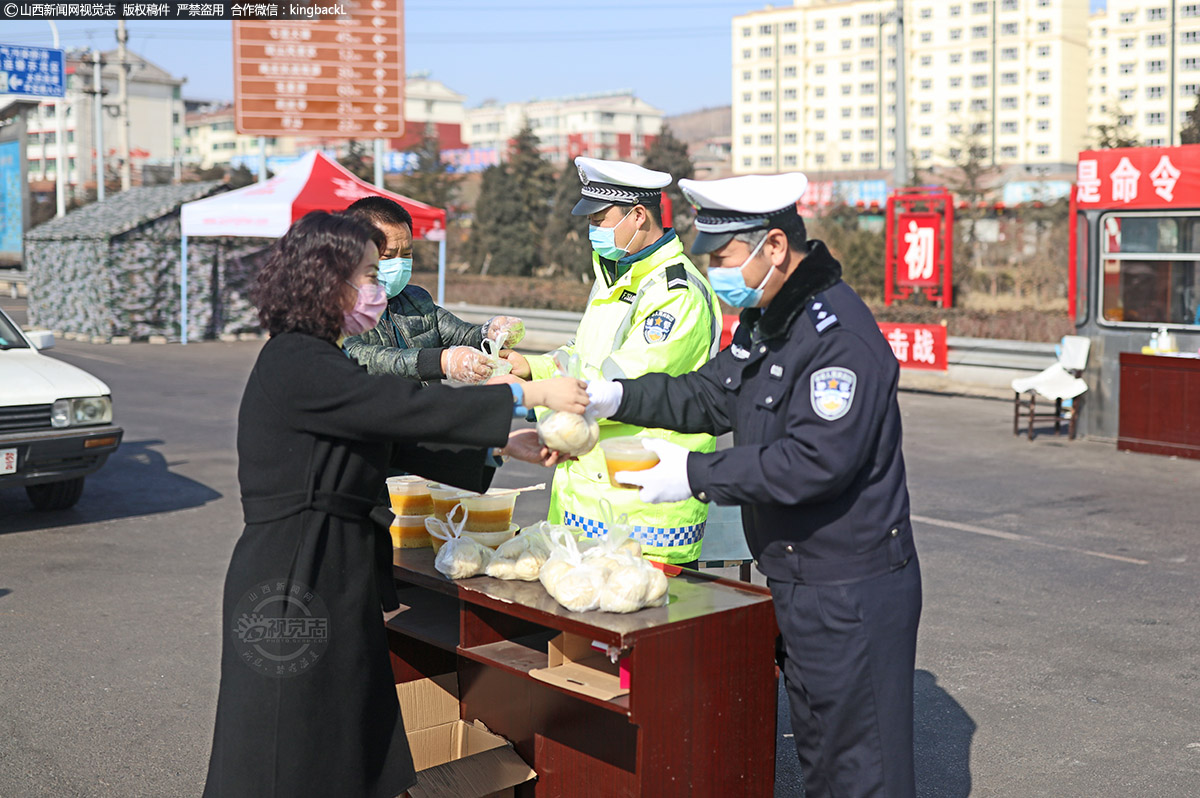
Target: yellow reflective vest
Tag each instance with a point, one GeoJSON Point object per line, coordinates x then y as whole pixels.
{"type": "Point", "coordinates": [659, 316]}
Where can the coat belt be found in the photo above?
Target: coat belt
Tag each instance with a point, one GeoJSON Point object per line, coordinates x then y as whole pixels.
{"type": "Point", "coordinates": [893, 553]}
{"type": "Point", "coordinates": [267, 509]}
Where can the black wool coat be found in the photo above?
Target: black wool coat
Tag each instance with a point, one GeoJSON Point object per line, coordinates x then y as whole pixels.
{"type": "Point", "coordinates": [307, 703]}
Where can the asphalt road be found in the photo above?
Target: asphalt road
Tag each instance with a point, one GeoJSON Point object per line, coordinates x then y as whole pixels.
{"type": "Point", "coordinates": [1059, 644]}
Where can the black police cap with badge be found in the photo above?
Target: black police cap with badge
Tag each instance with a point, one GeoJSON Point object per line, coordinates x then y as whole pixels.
{"type": "Point", "coordinates": [733, 205]}
{"type": "Point", "coordinates": [608, 183]}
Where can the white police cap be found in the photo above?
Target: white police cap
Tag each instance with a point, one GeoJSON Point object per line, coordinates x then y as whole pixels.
{"type": "Point", "coordinates": [608, 183]}
{"type": "Point", "coordinates": [735, 205]}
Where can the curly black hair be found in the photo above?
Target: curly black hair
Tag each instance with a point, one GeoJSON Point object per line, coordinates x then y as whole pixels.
{"type": "Point", "coordinates": [299, 287]}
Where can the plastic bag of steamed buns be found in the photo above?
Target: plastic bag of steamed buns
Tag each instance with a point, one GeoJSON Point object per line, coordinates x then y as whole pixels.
{"type": "Point", "coordinates": [572, 434]}
{"type": "Point", "coordinates": [460, 557]}
{"type": "Point", "coordinates": [610, 576]}
{"type": "Point", "coordinates": [523, 556]}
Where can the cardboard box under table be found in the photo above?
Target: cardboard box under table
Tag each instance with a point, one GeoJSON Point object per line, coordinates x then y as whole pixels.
{"type": "Point", "coordinates": [453, 758]}
{"type": "Point", "coordinates": [599, 704]}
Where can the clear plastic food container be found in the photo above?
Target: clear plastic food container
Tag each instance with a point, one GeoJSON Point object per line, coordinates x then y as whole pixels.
{"type": "Point", "coordinates": [626, 453]}
{"type": "Point", "coordinates": [410, 495]}
{"type": "Point", "coordinates": [445, 498]}
{"type": "Point", "coordinates": [408, 532]}
{"type": "Point", "coordinates": [491, 512]}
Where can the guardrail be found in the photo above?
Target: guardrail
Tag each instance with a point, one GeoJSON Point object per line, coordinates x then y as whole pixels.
{"type": "Point", "coordinates": [547, 329]}
{"type": "Point", "coordinates": [13, 282]}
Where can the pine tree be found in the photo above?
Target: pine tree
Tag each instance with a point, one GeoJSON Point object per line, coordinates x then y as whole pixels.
{"type": "Point", "coordinates": [512, 210]}
{"type": "Point", "coordinates": [356, 161]}
{"type": "Point", "coordinates": [669, 154]}
{"type": "Point", "coordinates": [1115, 132]}
{"type": "Point", "coordinates": [567, 249]}
{"type": "Point", "coordinates": [1190, 132]}
{"type": "Point", "coordinates": [431, 181]}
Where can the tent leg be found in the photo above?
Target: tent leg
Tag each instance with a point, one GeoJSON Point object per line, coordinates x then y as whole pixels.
{"type": "Point", "coordinates": [183, 292]}
{"type": "Point", "coordinates": [441, 298]}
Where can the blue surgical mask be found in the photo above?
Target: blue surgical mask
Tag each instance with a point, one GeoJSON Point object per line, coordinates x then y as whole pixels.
{"type": "Point", "coordinates": [604, 240]}
{"type": "Point", "coordinates": [394, 274]}
{"type": "Point", "coordinates": [730, 284]}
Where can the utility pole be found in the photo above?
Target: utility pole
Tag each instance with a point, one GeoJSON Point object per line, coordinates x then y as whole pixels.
{"type": "Point", "coordinates": [900, 141]}
{"type": "Point", "coordinates": [900, 177]}
{"type": "Point", "coordinates": [98, 136]}
{"type": "Point", "coordinates": [123, 102]}
{"type": "Point", "coordinates": [62, 161]}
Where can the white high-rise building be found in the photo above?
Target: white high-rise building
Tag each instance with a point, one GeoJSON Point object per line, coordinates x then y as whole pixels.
{"type": "Point", "coordinates": [1141, 75]}
{"type": "Point", "coordinates": [814, 84]}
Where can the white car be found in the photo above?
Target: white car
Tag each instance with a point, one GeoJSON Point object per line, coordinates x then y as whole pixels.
{"type": "Point", "coordinates": [55, 420]}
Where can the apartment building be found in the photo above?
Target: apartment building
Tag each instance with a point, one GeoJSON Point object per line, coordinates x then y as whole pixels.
{"type": "Point", "coordinates": [155, 114]}
{"type": "Point", "coordinates": [1140, 76]}
{"type": "Point", "coordinates": [607, 125]}
{"type": "Point", "coordinates": [814, 84]}
{"type": "Point", "coordinates": [211, 140]}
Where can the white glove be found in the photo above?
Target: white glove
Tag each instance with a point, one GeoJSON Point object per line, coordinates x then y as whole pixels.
{"type": "Point", "coordinates": [514, 327]}
{"type": "Point", "coordinates": [667, 481]}
{"type": "Point", "coordinates": [604, 397]}
{"type": "Point", "coordinates": [464, 364]}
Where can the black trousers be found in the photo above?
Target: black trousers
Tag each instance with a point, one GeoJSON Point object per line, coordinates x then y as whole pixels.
{"type": "Point", "coordinates": [851, 652]}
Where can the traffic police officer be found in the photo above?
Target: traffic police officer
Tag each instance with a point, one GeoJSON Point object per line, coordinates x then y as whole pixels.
{"type": "Point", "coordinates": [808, 388]}
{"type": "Point", "coordinates": [650, 310]}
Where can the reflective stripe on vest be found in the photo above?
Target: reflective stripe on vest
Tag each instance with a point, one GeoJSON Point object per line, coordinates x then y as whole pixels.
{"type": "Point", "coordinates": [646, 535]}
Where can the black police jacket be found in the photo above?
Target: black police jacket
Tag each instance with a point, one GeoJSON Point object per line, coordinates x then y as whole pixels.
{"type": "Point", "coordinates": [808, 388]}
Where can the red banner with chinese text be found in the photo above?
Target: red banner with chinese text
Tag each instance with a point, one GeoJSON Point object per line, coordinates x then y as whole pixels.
{"type": "Point", "coordinates": [918, 245]}
{"type": "Point", "coordinates": [918, 346]}
{"type": "Point", "coordinates": [1139, 177]}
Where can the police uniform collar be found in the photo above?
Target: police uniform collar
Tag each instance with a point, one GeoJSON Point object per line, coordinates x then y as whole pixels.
{"type": "Point", "coordinates": [819, 271]}
{"type": "Point", "coordinates": [619, 268]}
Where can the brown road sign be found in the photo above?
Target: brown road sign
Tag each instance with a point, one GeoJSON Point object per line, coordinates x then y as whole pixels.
{"type": "Point", "coordinates": [337, 78]}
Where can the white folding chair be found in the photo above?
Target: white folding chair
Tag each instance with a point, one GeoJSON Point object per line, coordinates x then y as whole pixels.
{"type": "Point", "coordinates": [1060, 382]}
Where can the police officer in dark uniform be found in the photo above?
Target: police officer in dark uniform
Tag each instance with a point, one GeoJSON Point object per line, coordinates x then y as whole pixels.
{"type": "Point", "coordinates": [808, 388]}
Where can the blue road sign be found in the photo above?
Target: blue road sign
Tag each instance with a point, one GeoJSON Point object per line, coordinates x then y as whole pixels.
{"type": "Point", "coordinates": [32, 71]}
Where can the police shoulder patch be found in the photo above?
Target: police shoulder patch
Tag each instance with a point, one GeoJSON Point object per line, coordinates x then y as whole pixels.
{"type": "Point", "coordinates": [657, 328]}
{"type": "Point", "coordinates": [821, 313]}
{"type": "Point", "coordinates": [677, 277]}
{"type": "Point", "coordinates": [833, 392]}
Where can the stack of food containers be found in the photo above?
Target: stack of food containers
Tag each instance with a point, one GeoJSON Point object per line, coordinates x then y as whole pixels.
{"type": "Point", "coordinates": [412, 503]}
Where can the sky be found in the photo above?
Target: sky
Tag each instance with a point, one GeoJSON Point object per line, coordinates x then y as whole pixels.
{"type": "Point", "coordinates": [675, 54]}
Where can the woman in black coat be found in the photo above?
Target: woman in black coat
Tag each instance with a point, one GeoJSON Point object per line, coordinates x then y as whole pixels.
{"type": "Point", "coordinates": [307, 703]}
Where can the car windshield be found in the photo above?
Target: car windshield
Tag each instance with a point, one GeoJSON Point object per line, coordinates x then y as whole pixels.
{"type": "Point", "coordinates": [10, 338]}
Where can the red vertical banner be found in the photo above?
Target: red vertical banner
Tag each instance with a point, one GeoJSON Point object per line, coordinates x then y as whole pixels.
{"type": "Point", "coordinates": [918, 249]}
{"type": "Point", "coordinates": [919, 229]}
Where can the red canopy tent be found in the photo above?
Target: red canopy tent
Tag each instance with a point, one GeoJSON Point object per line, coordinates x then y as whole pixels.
{"type": "Point", "coordinates": [267, 210]}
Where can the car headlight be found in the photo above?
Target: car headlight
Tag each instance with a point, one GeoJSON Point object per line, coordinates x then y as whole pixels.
{"type": "Point", "coordinates": [83, 412]}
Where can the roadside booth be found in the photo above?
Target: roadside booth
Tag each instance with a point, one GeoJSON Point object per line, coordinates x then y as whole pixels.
{"type": "Point", "coordinates": [266, 210]}
{"type": "Point", "coordinates": [1134, 291]}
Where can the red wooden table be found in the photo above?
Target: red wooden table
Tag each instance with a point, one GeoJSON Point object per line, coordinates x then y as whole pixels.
{"type": "Point", "coordinates": [699, 718]}
{"type": "Point", "coordinates": [1160, 405]}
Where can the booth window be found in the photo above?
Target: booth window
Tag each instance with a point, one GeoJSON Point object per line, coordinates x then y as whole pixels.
{"type": "Point", "coordinates": [1081, 268]}
{"type": "Point", "coordinates": [1150, 269]}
